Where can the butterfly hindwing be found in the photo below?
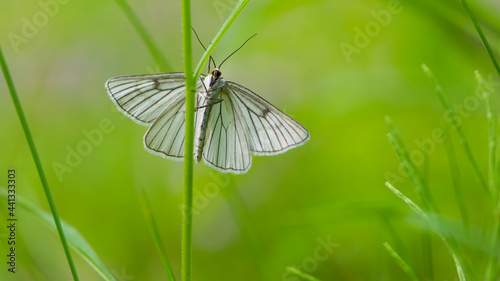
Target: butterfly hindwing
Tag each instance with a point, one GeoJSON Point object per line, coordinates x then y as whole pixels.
{"type": "Point", "coordinates": [166, 135]}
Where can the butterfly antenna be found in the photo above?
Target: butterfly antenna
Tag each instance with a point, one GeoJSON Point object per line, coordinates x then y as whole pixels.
{"type": "Point", "coordinates": [237, 50]}
{"type": "Point", "coordinates": [211, 59]}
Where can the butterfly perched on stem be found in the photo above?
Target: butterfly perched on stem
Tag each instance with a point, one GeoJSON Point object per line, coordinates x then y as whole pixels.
{"type": "Point", "coordinates": [231, 121]}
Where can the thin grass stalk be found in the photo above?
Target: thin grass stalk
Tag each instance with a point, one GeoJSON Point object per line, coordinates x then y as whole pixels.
{"type": "Point", "coordinates": [153, 49]}
{"type": "Point", "coordinates": [404, 266]}
{"type": "Point", "coordinates": [481, 34]}
{"type": "Point", "coordinates": [38, 163]}
{"type": "Point", "coordinates": [153, 228]}
{"type": "Point", "coordinates": [463, 140]}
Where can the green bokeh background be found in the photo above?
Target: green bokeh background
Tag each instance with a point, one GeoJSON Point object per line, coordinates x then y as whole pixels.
{"type": "Point", "coordinates": [255, 225]}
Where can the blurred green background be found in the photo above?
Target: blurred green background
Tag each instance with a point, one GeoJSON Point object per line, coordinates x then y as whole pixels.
{"type": "Point", "coordinates": [308, 59]}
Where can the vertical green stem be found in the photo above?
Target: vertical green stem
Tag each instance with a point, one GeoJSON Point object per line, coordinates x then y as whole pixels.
{"type": "Point", "coordinates": [191, 78]}
{"type": "Point", "coordinates": [38, 164]}
{"type": "Point", "coordinates": [187, 216]}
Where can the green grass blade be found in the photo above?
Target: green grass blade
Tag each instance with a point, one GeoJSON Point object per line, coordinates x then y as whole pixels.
{"type": "Point", "coordinates": [38, 163]}
{"type": "Point", "coordinates": [408, 202]}
{"type": "Point", "coordinates": [301, 274]}
{"type": "Point", "coordinates": [146, 38]}
{"type": "Point", "coordinates": [151, 223]}
{"type": "Point", "coordinates": [456, 127]}
{"type": "Point", "coordinates": [77, 241]}
{"type": "Point", "coordinates": [481, 34]}
{"type": "Point", "coordinates": [404, 266]}
{"type": "Point", "coordinates": [237, 10]}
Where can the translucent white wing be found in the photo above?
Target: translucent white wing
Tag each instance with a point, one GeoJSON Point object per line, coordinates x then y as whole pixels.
{"type": "Point", "coordinates": [226, 146]}
{"type": "Point", "coordinates": [269, 130]}
{"type": "Point", "coordinates": [166, 135]}
{"type": "Point", "coordinates": [144, 97]}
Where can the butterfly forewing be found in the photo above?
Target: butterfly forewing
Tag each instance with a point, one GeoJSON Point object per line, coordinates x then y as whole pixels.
{"type": "Point", "coordinates": [226, 147]}
{"type": "Point", "coordinates": [145, 97]}
{"type": "Point", "coordinates": [269, 130]}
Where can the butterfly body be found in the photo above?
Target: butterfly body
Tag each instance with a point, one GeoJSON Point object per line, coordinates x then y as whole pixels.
{"type": "Point", "coordinates": [213, 83]}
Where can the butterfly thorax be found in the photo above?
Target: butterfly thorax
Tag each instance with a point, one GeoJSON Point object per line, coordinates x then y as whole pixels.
{"type": "Point", "coordinates": [213, 84]}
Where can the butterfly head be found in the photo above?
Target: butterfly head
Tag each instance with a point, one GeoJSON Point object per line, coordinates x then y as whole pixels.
{"type": "Point", "coordinates": [216, 73]}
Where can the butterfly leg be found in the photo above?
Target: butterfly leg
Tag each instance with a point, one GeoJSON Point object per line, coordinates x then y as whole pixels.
{"type": "Point", "coordinates": [214, 101]}
{"type": "Point", "coordinates": [203, 95]}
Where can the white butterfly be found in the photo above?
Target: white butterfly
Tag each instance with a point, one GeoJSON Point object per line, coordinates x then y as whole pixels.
{"type": "Point", "coordinates": [231, 122]}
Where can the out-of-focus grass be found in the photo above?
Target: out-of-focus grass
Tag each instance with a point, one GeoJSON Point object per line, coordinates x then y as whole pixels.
{"type": "Point", "coordinates": [470, 263]}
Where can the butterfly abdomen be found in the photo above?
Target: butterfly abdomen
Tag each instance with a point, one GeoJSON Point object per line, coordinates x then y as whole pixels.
{"type": "Point", "coordinates": [200, 143]}
{"type": "Point", "coordinates": [204, 108]}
